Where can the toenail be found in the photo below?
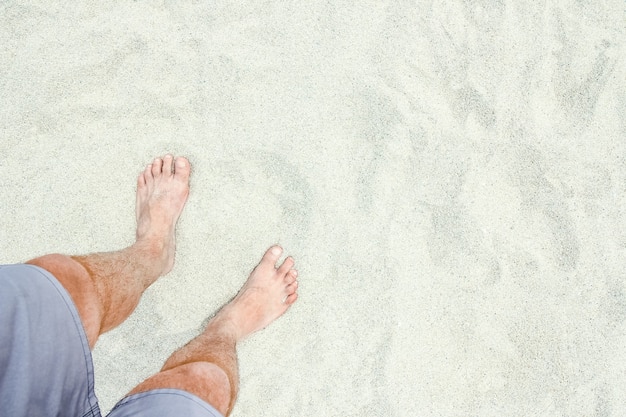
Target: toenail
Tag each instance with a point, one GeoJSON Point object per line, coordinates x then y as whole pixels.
{"type": "Point", "coordinates": [276, 250]}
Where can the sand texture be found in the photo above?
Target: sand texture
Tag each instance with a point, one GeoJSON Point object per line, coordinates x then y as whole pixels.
{"type": "Point", "coordinates": [450, 177]}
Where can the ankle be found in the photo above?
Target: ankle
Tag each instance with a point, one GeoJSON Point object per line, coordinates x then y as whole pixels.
{"type": "Point", "coordinates": [223, 327]}
{"type": "Point", "coordinates": [152, 248]}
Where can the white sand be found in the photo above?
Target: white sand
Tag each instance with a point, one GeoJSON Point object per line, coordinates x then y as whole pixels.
{"type": "Point", "coordinates": [450, 177]}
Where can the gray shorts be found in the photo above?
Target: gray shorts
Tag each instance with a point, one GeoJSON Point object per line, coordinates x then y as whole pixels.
{"type": "Point", "coordinates": [45, 361]}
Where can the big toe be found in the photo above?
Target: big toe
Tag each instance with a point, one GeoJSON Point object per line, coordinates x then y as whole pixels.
{"type": "Point", "coordinates": [271, 256]}
{"type": "Point", "coordinates": [182, 168]}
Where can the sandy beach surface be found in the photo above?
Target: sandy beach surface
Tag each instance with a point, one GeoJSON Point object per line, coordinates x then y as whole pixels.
{"type": "Point", "coordinates": [450, 177]}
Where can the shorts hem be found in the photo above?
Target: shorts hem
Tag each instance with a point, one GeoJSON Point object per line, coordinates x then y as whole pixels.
{"type": "Point", "coordinates": [164, 392]}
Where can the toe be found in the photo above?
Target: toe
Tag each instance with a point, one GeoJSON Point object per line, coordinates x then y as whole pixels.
{"type": "Point", "coordinates": [157, 167]}
{"type": "Point", "coordinates": [168, 165]}
{"type": "Point", "coordinates": [291, 276]}
{"type": "Point", "coordinates": [272, 255]}
{"type": "Point", "coordinates": [182, 168]}
{"type": "Point", "coordinates": [141, 180]}
{"type": "Point", "coordinates": [286, 266]}
{"type": "Point", "coordinates": [147, 174]}
{"type": "Point", "coordinates": [292, 288]}
{"type": "Point", "coordinates": [291, 299]}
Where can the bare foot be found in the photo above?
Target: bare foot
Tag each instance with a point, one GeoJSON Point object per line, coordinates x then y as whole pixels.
{"type": "Point", "coordinates": [162, 191]}
{"type": "Point", "coordinates": [266, 295]}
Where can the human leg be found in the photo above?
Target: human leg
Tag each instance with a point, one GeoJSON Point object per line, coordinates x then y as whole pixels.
{"type": "Point", "coordinates": [207, 366]}
{"type": "Point", "coordinates": [106, 287]}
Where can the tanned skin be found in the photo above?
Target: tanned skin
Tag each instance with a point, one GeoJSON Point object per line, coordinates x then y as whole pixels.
{"type": "Point", "coordinates": [106, 288]}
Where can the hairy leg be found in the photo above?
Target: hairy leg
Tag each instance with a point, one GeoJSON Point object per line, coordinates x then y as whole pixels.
{"type": "Point", "coordinates": [207, 366]}
{"type": "Point", "coordinates": [106, 287]}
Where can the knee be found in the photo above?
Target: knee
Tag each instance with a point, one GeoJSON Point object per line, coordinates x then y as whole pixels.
{"type": "Point", "coordinates": [213, 383]}
{"type": "Point", "coordinates": [61, 266]}
{"type": "Point", "coordinates": [54, 259]}
{"type": "Point", "coordinates": [78, 283]}
{"type": "Point", "coordinates": [69, 272]}
{"type": "Point", "coordinates": [202, 379]}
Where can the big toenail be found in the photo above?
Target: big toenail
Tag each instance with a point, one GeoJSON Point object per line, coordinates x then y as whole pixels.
{"type": "Point", "coordinates": [275, 251]}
